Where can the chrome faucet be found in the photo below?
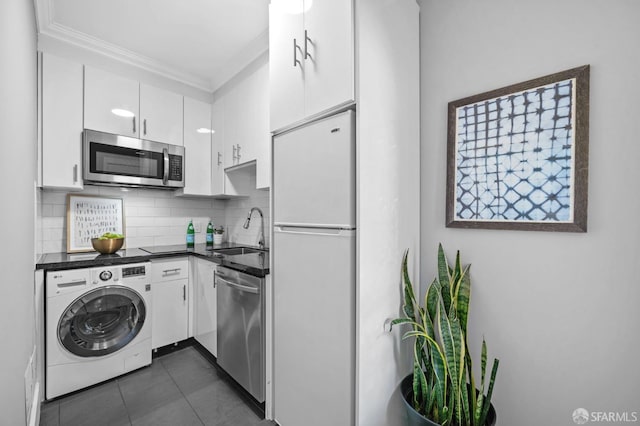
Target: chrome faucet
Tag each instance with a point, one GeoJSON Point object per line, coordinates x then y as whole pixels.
{"type": "Point", "coordinates": [246, 225]}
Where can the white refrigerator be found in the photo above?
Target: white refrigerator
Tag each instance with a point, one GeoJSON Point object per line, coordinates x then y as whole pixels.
{"type": "Point", "coordinates": [314, 273]}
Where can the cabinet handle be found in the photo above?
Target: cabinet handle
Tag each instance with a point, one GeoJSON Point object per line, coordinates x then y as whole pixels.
{"type": "Point", "coordinates": [134, 125]}
{"type": "Point", "coordinates": [75, 173]}
{"type": "Point", "coordinates": [238, 151]}
{"type": "Point", "coordinates": [240, 287]}
{"type": "Point", "coordinates": [307, 42]}
{"type": "Point", "coordinates": [296, 62]}
{"type": "Point", "coordinates": [184, 292]}
{"type": "Point", "coordinates": [144, 127]}
{"type": "Point", "coordinates": [235, 156]}
{"type": "Point", "coordinates": [171, 271]}
{"type": "Point", "coordinates": [219, 158]}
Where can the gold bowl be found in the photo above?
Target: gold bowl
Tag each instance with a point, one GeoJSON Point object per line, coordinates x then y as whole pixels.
{"type": "Point", "coordinates": [107, 246]}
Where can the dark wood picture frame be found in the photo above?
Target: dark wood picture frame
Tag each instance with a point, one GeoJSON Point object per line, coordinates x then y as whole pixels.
{"type": "Point", "coordinates": [473, 195]}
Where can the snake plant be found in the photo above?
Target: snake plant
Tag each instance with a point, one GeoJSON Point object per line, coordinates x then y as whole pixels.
{"type": "Point", "coordinates": [443, 377]}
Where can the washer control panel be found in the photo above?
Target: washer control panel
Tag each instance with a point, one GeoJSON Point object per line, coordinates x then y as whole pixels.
{"type": "Point", "coordinates": [134, 271]}
{"type": "Point", "coordinates": [106, 275]}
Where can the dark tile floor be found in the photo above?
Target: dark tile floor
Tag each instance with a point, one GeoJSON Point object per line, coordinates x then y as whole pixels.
{"type": "Point", "coordinates": [180, 388]}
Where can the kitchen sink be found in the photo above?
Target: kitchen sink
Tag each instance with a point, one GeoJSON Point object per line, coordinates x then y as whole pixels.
{"type": "Point", "coordinates": [235, 250]}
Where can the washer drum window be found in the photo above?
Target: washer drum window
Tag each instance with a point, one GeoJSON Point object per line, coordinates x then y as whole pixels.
{"type": "Point", "coordinates": [101, 321]}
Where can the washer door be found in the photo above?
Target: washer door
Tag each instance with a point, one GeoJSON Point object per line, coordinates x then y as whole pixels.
{"type": "Point", "coordinates": [101, 321]}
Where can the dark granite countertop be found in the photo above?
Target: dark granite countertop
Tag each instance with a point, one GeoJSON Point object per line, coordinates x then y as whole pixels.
{"type": "Point", "coordinates": [252, 263]}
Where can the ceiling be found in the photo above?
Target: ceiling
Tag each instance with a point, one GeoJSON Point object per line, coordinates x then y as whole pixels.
{"type": "Point", "coordinates": [199, 42]}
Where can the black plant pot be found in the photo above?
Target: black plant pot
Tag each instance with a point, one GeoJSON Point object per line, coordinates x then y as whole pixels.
{"type": "Point", "coordinates": [416, 419]}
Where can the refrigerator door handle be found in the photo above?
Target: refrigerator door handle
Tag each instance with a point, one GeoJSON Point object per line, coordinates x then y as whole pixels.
{"type": "Point", "coordinates": [315, 225]}
{"type": "Point", "coordinates": [292, 229]}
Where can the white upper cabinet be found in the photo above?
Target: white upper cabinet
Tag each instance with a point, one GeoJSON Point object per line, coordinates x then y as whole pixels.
{"type": "Point", "coordinates": [235, 181]}
{"type": "Point", "coordinates": [116, 104]}
{"type": "Point", "coordinates": [258, 112]}
{"type": "Point", "coordinates": [311, 46]}
{"type": "Point", "coordinates": [197, 144]}
{"type": "Point", "coordinates": [286, 77]}
{"type": "Point", "coordinates": [61, 114]}
{"type": "Point", "coordinates": [111, 103]}
{"type": "Point", "coordinates": [217, 147]}
{"type": "Point", "coordinates": [246, 116]}
{"type": "Point", "coordinates": [161, 114]}
{"type": "Point", "coordinates": [329, 66]}
{"type": "Point", "coordinates": [240, 120]}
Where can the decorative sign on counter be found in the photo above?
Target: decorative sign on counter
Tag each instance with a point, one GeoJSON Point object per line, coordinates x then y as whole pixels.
{"type": "Point", "coordinates": [89, 216]}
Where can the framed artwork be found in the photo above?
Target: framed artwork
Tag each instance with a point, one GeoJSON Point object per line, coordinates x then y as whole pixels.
{"type": "Point", "coordinates": [517, 157]}
{"type": "Point", "coordinates": [89, 216]}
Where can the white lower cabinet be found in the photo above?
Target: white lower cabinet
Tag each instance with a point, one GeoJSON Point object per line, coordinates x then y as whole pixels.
{"type": "Point", "coordinates": [205, 295]}
{"type": "Point", "coordinates": [170, 292]}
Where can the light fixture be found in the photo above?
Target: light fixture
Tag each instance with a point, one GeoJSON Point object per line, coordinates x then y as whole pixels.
{"type": "Point", "coordinates": [122, 112]}
{"type": "Point", "coordinates": [205, 130]}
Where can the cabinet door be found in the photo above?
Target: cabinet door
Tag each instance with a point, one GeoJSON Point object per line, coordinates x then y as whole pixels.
{"type": "Point", "coordinates": [170, 312]}
{"type": "Point", "coordinates": [161, 113]}
{"type": "Point", "coordinates": [61, 98]}
{"type": "Point", "coordinates": [197, 143]}
{"type": "Point", "coordinates": [286, 74]}
{"type": "Point", "coordinates": [105, 93]}
{"type": "Point", "coordinates": [250, 108]}
{"type": "Point", "coordinates": [262, 135]}
{"type": "Point", "coordinates": [217, 147]}
{"type": "Point", "coordinates": [233, 118]}
{"type": "Point", "coordinates": [329, 67]}
{"type": "Point", "coordinates": [205, 306]}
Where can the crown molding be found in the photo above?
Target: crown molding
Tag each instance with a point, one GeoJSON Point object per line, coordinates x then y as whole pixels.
{"type": "Point", "coordinates": [43, 14]}
{"type": "Point", "coordinates": [241, 60]}
{"type": "Point", "coordinates": [80, 39]}
{"type": "Point", "coordinates": [49, 28]}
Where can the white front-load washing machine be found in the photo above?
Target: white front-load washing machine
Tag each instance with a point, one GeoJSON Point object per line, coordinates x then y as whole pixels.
{"type": "Point", "coordinates": [98, 325]}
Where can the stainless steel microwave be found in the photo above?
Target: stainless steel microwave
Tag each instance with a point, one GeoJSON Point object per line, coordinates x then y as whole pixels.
{"type": "Point", "coordinates": [110, 159]}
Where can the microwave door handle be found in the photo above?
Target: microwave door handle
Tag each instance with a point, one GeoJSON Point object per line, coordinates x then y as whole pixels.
{"type": "Point", "coordinates": [165, 155]}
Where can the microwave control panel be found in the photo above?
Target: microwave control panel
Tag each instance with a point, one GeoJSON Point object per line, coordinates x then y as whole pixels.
{"type": "Point", "coordinates": [175, 167]}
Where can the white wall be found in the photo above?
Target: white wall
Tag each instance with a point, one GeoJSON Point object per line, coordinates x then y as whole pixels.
{"type": "Point", "coordinates": [18, 140]}
{"type": "Point", "coordinates": [388, 187]}
{"type": "Point", "coordinates": [560, 310]}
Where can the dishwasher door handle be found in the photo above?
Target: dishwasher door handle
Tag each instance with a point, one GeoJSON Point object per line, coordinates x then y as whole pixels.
{"type": "Point", "coordinates": [240, 287]}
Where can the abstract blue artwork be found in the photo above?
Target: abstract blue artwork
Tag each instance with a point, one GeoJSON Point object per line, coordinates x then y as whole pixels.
{"type": "Point", "coordinates": [512, 156]}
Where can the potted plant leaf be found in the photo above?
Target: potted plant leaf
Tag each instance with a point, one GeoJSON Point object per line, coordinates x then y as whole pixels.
{"type": "Point", "coordinates": [441, 390]}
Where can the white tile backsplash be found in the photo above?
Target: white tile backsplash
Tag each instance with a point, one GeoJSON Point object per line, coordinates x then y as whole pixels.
{"type": "Point", "coordinates": [235, 215]}
{"type": "Point", "coordinates": [157, 217]}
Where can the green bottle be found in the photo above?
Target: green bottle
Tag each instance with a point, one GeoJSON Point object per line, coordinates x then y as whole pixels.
{"type": "Point", "coordinates": [191, 235]}
{"type": "Point", "coordinates": [210, 234]}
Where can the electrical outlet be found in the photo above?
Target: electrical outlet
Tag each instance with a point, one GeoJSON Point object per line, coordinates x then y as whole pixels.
{"type": "Point", "coordinates": [197, 227]}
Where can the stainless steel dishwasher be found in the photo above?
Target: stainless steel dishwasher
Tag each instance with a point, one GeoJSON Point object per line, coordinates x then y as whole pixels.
{"type": "Point", "coordinates": [240, 330]}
